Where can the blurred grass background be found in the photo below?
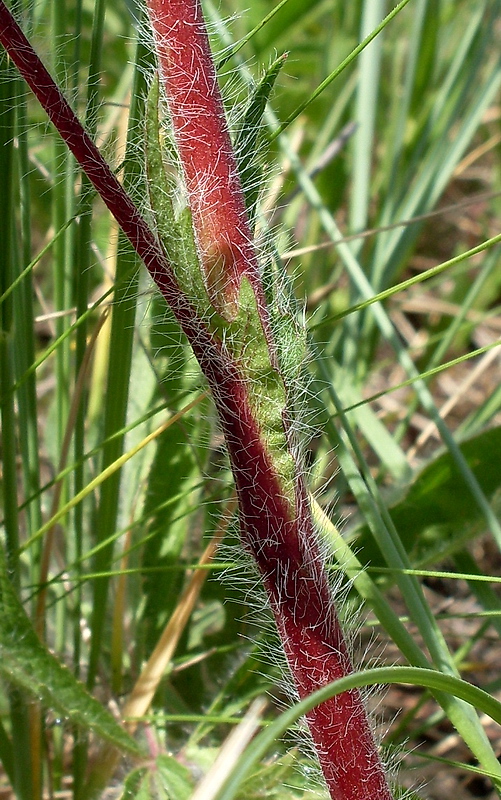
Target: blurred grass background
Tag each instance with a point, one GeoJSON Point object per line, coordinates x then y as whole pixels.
{"type": "Point", "coordinates": [391, 171]}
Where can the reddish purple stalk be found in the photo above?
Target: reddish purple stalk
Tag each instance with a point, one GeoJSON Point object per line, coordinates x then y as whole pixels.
{"type": "Point", "coordinates": [205, 149]}
{"type": "Point", "coordinates": [279, 534]}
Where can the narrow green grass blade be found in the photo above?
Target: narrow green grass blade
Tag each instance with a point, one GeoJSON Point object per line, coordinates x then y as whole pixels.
{"type": "Point", "coordinates": [294, 12]}
{"type": "Point", "coordinates": [7, 754]}
{"type": "Point", "coordinates": [83, 257]}
{"type": "Point", "coordinates": [435, 517]}
{"type": "Point", "coordinates": [21, 766]}
{"type": "Point", "coordinates": [369, 67]}
{"type": "Point", "coordinates": [419, 49]}
{"type": "Point", "coordinates": [423, 376]}
{"type": "Point", "coordinates": [414, 676]}
{"type": "Point", "coordinates": [25, 335]}
{"type": "Point", "coordinates": [122, 334]}
{"type": "Point", "coordinates": [32, 264]}
{"type": "Point", "coordinates": [386, 328]}
{"type": "Point", "coordinates": [7, 274]}
{"type": "Point", "coordinates": [62, 200]}
{"type": "Point", "coordinates": [458, 105]}
{"type": "Point", "coordinates": [417, 279]}
{"type": "Point", "coordinates": [235, 48]}
{"type": "Point", "coordinates": [339, 69]}
{"type": "Point", "coordinates": [375, 512]}
{"type": "Point", "coordinates": [485, 595]}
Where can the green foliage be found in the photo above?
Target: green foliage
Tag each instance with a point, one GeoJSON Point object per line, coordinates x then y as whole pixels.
{"type": "Point", "coordinates": [423, 96]}
{"type": "Point", "coordinates": [27, 664]}
{"type": "Point", "coordinates": [436, 518]}
{"type": "Point", "coordinates": [165, 780]}
{"type": "Point", "coordinates": [174, 229]}
{"type": "Point", "coordinates": [248, 140]}
{"type": "Point", "coordinates": [412, 675]}
{"type": "Point", "coordinates": [241, 335]}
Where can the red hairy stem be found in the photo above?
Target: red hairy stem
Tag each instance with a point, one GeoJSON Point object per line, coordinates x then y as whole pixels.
{"type": "Point", "coordinates": [286, 552]}
{"type": "Point", "coordinates": [281, 539]}
{"type": "Point", "coordinates": [280, 536]}
{"type": "Point", "coordinates": [104, 181]}
{"type": "Point", "coordinates": [203, 141]}
{"type": "Point", "coordinates": [83, 148]}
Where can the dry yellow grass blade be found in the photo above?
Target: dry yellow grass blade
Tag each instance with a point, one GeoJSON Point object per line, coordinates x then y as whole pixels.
{"type": "Point", "coordinates": [106, 760]}
{"type": "Point", "coordinates": [147, 683]}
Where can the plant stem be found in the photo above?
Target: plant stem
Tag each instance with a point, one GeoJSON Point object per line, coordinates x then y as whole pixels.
{"type": "Point", "coordinates": [275, 516]}
{"type": "Point", "coordinates": [203, 141]}
{"type": "Point", "coordinates": [276, 526]}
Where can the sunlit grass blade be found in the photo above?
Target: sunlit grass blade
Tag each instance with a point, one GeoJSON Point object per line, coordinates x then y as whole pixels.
{"type": "Point", "coordinates": [384, 532]}
{"type": "Point", "coordinates": [394, 141]}
{"type": "Point", "coordinates": [431, 679]}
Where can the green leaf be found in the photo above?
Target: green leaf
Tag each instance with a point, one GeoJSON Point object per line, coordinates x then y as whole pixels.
{"type": "Point", "coordinates": [26, 663]}
{"type": "Point", "coordinates": [437, 515]}
{"type": "Point", "coordinates": [136, 785]}
{"type": "Point", "coordinates": [166, 780]}
{"type": "Point", "coordinates": [174, 226]}
{"type": "Point", "coordinates": [247, 140]}
{"type": "Point", "coordinates": [175, 779]}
